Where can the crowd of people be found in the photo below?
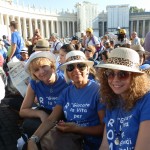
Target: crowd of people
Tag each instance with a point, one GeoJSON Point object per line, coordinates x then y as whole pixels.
{"type": "Point", "coordinates": [95, 90]}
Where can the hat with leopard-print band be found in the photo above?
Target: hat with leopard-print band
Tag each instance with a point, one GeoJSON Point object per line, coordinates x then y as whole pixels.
{"type": "Point", "coordinates": [124, 59]}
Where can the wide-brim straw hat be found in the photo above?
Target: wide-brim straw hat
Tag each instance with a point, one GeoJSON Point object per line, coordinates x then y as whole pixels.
{"type": "Point", "coordinates": [42, 45]}
{"type": "Point", "coordinates": [40, 54]}
{"type": "Point", "coordinates": [76, 56]}
{"type": "Point", "coordinates": [125, 59]}
{"type": "Point", "coordinates": [138, 48]}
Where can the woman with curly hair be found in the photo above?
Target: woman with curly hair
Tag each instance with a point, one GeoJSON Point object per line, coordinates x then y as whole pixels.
{"type": "Point", "coordinates": [125, 91]}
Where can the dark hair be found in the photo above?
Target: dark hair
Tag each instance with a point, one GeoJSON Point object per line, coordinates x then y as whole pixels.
{"type": "Point", "coordinates": [4, 36]}
{"type": "Point", "coordinates": [67, 48]}
{"type": "Point", "coordinates": [14, 24]}
{"type": "Point", "coordinates": [121, 37]}
{"type": "Point", "coordinates": [106, 54]}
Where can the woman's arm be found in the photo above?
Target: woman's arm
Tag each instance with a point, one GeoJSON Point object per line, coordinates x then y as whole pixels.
{"type": "Point", "coordinates": [48, 124]}
{"type": "Point", "coordinates": [143, 139]}
{"type": "Point", "coordinates": [104, 145]}
{"type": "Point", "coordinates": [50, 121]}
{"type": "Point", "coordinates": [26, 107]}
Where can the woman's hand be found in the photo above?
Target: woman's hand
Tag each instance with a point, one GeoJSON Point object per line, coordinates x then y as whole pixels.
{"type": "Point", "coordinates": [32, 145]}
{"type": "Point", "coordinates": [66, 126]}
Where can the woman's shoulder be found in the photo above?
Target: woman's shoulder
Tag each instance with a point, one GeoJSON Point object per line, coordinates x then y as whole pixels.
{"type": "Point", "coordinates": [145, 100]}
{"type": "Point", "coordinates": [94, 83]}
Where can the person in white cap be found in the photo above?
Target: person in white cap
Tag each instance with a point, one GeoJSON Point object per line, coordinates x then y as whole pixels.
{"type": "Point", "coordinates": [80, 103]}
{"type": "Point", "coordinates": [125, 92]}
{"type": "Point", "coordinates": [45, 85]}
{"type": "Point", "coordinates": [24, 54]}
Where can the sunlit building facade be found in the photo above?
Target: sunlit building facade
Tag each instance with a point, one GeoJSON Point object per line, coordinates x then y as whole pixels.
{"type": "Point", "coordinates": [67, 24]}
{"type": "Point", "coordinates": [63, 23]}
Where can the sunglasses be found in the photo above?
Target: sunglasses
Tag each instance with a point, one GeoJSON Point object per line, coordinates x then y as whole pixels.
{"type": "Point", "coordinates": [121, 75]}
{"type": "Point", "coordinates": [80, 66]}
{"type": "Point", "coordinates": [87, 50]}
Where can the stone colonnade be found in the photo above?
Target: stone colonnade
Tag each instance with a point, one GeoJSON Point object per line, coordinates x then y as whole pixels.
{"type": "Point", "coordinates": [27, 26]}
{"type": "Point", "coordinates": [140, 26]}
{"type": "Point", "coordinates": [29, 18]}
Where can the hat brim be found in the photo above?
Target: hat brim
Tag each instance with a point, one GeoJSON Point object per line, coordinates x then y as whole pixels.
{"type": "Point", "coordinates": [89, 63]}
{"type": "Point", "coordinates": [118, 67]}
{"type": "Point", "coordinates": [41, 54]}
{"type": "Point", "coordinates": [41, 49]}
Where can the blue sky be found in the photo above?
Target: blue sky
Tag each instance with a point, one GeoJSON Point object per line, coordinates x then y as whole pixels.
{"type": "Point", "coordinates": [69, 4]}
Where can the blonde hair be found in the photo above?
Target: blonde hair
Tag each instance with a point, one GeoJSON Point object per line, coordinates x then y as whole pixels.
{"type": "Point", "coordinates": [132, 95]}
{"type": "Point", "coordinates": [37, 62]}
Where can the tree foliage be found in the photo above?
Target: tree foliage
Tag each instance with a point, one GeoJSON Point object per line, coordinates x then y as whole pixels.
{"type": "Point", "coordinates": [134, 9]}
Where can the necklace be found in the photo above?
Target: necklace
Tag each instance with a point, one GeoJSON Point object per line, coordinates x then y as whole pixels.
{"type": "Point", "coordinates": [118, 125]}
{"type": "Point", "coordinates": [117, 141]}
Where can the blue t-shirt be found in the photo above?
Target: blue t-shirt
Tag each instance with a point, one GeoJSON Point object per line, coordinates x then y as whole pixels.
{"type": "Point", "coordinates": [81, 106]}
{"type": "Point", "coordinates": [17, 39]}
{"type": "Point", "coordinates": [47, 95]}
{"type": "Point", "coordinates": [122, 127]}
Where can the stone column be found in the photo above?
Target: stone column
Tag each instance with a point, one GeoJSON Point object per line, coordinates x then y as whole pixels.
{"type": "Point", "coordinates": [41, 28]}
{"type": "Point", "coordinates": [12, 18]}
{"type": "Point", "coordinates": [73, 28]}
{"type": "Point", "coordinates": [47, 29]}
{"type": "Point", "coordinates": [30, 28]}
{"type": "Point", "coordinates": [7, 24]}
{"type": "Point", "coordinates": [68, 33]}
{"type": "Point", "coordinates": [63, 29]}
{"type": "Point", "coordinates": [1, 19]}
{"type": "Point", "coordinates": [36, 25]}
{"type": "Point", "coordinates": [24, 28]}
{"type": "Point", "coordinates": [19, 25]}
{"type": "Point", "coordinates": [137, 27]}
{"type": "Point", "coordinates": [52, 26]}
{"type": "Point", "coordinates": [102, 27]}
{"type": "Point", "coordinates": [131, 27]}
{"type": "Point", "coordinates": [57, 24]}
{"type": "Point", "coordinates": [143, 30]}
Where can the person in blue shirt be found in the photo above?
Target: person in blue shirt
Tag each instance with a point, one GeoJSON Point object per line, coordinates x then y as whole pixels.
{"type": "Point", "coordinates": [17, 42]}
{"type": "Point", "coordinates": [44, 87]}
{"type": "Point", "coordinates": [79, 102]}
{"type": "Point", "coordinates": [125, 91]}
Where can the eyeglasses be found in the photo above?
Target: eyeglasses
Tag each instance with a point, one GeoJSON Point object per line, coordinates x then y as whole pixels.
{"type": "Point", "coordinates": [88, 50]}
{"type": "Point", "coordinates": [121, 75]}
{"type": "Point", "coordinates": [80, 66]}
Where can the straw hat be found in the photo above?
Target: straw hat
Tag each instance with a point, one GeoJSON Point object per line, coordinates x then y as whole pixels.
{"type": "Point", "coordinates": [123, 59]}
{"type": "Point", "coordinates": [39, 54]}
{"type": "Point", "coordinates": [76, 56]}
{"type": "Point", "coordinates": [137, 47]}
{"type": "Point", "coordinates": [42, 45]}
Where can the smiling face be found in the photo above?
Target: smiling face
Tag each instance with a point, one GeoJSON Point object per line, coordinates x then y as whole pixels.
{"type": "Point", "coordinates": [119, 81]}
{"type": "Point", "coordinates": [42, 69]}
{"type": "Point", "coordinates": [78, 73]}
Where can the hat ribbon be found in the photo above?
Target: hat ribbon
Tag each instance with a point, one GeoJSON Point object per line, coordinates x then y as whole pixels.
{"type": "Point", "coordinates": [122, 61]}
{"type": "Point", "coordinates": [77, 57]}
